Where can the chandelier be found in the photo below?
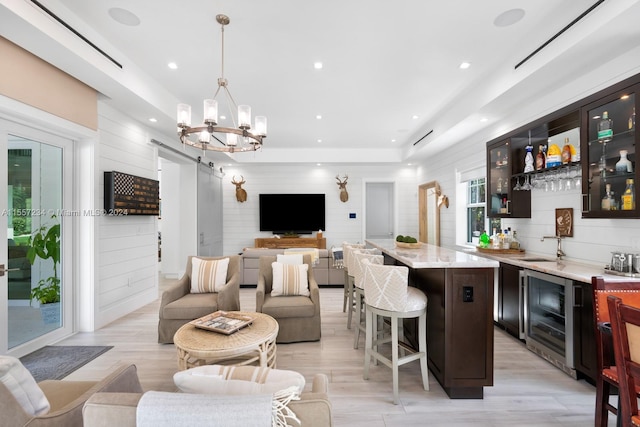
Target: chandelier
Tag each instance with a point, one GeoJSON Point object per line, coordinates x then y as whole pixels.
{"type": "Point", "coordinates": [209, 136]}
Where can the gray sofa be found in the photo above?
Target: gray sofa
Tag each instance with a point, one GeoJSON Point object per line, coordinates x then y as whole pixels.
{"type": "Point", "coordinates": [119, 409]}
{"type": "Point", "coordinates": [324, 272]}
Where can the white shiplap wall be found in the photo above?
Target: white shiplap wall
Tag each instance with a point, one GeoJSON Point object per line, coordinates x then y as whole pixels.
{"type": "Point", "coordinates": [241, 222]}
{"type": "Point", "coordinates": [126, 255]}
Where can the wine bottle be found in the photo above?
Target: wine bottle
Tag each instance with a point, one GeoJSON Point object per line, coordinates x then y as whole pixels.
{"type": "Point", "coordinates": [607, 199]}
{"type": "Point", "coordinates": [629, 197]}
{"type": "Point", "coordinates": [605, 128]}
{"type": "Point", "coordinates": [540, 158]}
{"type": "Point", "coordinates": [566, 152]}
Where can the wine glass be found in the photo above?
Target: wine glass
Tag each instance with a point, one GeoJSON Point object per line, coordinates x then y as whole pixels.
{"type": "Point", "coordinates": [517, 187]}
{"type": "Point", "coordinates": [527, 183]}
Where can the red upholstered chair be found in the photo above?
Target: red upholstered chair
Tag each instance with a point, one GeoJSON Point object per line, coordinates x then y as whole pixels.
{"type": "Point", "coordinates": [607, 378]}
{"type": "Point", "coordinates": [625, 328]}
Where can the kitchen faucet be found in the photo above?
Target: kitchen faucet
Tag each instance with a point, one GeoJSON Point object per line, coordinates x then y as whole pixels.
{"type": "Point", "coordinates": [559, 251]}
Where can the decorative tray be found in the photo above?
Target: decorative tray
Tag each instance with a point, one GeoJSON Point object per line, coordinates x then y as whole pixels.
{"type": "Point", "coordinates": [223, 322]}
{"type": "Point", "coordinates": [499, 251]}
{"type": "Point", "coordinates": [621, 273]}
{"type": "Point", "coordinates": [408, 245]}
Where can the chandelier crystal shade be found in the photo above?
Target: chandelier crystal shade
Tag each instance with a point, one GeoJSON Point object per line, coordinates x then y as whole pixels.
{"type": "Point", "coordinates": [209, 136]}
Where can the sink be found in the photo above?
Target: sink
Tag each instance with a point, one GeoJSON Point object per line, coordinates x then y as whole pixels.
{"type": "Point", "coordinates": [537, 260]}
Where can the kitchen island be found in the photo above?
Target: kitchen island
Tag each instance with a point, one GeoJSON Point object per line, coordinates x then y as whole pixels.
{"type": "Point", "coordinates": [459, 287]}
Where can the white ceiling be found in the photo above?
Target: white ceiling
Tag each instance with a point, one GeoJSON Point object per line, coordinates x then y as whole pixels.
{"type": "Point", "coordinates": [384, 62]}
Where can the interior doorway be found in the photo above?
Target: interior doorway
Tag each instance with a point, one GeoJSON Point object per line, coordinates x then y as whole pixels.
{"type": "Point", "coordinates": [379, 210]}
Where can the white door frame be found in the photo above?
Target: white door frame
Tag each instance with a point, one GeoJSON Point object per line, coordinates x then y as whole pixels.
{"type": "Point", "coordinates": [78, 193]}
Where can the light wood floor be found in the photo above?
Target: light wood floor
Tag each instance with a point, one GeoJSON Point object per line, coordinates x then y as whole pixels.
{"type": "Point", "coordinates": [527, 390]}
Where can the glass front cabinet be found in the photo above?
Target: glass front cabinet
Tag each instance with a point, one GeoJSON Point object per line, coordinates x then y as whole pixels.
{"type": "Point", "coordinates": [505, 200]}
{"type": "Point", "coordinates": [609, 140]}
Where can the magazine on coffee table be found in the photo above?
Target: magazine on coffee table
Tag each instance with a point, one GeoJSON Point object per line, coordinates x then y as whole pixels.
{"type": "Point", "coordinates": [223, 322]}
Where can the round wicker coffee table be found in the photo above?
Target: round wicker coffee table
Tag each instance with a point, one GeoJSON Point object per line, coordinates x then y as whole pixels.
{"type": "Point", "coordinates": [253, 344]}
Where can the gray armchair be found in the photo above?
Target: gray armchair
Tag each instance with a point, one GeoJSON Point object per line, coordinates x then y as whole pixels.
{"type": "Point", "coordinates": [298, 316]}
{"type": "Point", "coordinates": [67, 399]}
{"type": "Point", "coordinates": [179, 306]}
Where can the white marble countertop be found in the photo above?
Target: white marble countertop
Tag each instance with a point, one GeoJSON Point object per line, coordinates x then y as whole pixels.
{"type": "Point", "coordinates": [431, 256]}
{"type": "Point", "coordinates": [568, 269]}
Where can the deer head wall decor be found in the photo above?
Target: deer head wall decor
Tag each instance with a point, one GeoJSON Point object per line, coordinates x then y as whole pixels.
{"type": "Point", "coordinates": [241, 194]}
{"type": "Point", "coordinates": [342, 185]}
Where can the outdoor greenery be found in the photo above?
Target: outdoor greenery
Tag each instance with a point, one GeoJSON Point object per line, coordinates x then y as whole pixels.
{"type": "Point", "coordinates": [44, 243]}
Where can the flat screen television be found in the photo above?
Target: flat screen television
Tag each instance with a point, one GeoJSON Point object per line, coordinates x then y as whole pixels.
{"type": "Point", "coordinates": [287, 213]}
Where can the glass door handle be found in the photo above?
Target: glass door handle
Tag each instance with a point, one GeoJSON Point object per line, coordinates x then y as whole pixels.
{"type": "Point", "coordinates": [6, 270]}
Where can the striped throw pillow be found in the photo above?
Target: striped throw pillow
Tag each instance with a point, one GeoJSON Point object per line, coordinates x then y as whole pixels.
{"type": "Point", "coordinates": [289, 279]}
{"type": "Point", "coordinates": [208, 275]}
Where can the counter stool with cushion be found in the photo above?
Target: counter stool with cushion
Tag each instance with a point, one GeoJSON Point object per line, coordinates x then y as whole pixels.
{"type": "Point", "coordinates": [625, 328]}
{"type": "Point", "coordinates": [358, 275]}
{"type": "Point", "coordinates": [607, 373]}
{"type": "Point", "coordinates": [387, 293]}
{"type": "Point", "coordinates": [347, 248]}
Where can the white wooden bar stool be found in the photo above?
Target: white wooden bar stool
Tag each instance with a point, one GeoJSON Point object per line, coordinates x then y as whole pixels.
{"type": "Point", "coordinates": [387, 293]}
{"type": "Point", "coordinates": [348, 279]}
{"type": "Point", "coordinates": [358, 288]}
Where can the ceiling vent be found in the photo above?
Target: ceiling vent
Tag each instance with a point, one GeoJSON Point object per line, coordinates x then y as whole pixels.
{"type": "Point", "coordinates": [423, 137]}
{"type": "Point", "coordinates": [556, 35]}
{"type": "Point", "coordinates": [74, 31]}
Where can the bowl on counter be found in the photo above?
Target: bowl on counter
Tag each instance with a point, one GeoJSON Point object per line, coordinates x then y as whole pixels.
{"type": "Point", "coordinates": [409, 245]}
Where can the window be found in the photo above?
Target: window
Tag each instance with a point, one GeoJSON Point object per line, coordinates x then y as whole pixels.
{"type": "Point", "coordinates": [476, 219]}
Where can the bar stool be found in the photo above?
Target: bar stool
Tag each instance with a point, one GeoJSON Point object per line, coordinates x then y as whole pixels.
{"type": "Point", "coordinates": [348, 278]}
{"type": "Point", "coordinates": [387, 293]}
{"type": "Point", "coordinates": [358, 289]}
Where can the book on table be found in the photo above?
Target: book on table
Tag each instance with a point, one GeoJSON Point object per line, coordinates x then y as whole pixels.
{"type": "Point", "coordinates": [223, 322]}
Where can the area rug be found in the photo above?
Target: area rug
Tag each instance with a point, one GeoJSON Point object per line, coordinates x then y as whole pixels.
{"type": "Point", "coordinates": [54, 362]}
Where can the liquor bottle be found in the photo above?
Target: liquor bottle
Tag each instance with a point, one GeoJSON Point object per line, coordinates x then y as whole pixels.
{"type": "Point", "coordinates": [624, 165]}
{"type": "Point", "coordinates": [540, 158]}
{"type": "Point", "coordinates": [607, 200]}
{"type": "Point", "coordinates": [515, 243]}
{"type": "Point", "coordinates": [528, 159]}
{"type": "Point", "coordinates": [605, 128]}
{"type": "Point", "coordinates": [566, 152]}
{"type": "Point", "coordinates": [632, 119]}
{"type": "Point", "coordinates": [629, 197]}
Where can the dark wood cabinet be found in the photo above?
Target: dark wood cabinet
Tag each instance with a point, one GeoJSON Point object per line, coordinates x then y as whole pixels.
{"type": "Point", "coordinates": [584, 337]}
{"type": "Point", "coordinates": [502, 200]}
{"type": "Point", "coordinates": [510, 299]}
{"type": "Point", "coordinates": [601, 152]}
{"type": "Point", "coordinates": [459, 333]}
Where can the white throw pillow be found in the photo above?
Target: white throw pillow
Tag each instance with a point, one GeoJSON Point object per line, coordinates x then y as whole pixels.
{"type": "Point", "coordinates": [208, 275]}
{"type": "Point", "coordinates": [237, 380]}
{"type": "Point", "coordinates": [23, 386]}
{"type": "Point", "coordinates": [289, 279]}
{"type": "Point", "coordinates": [292, 259]}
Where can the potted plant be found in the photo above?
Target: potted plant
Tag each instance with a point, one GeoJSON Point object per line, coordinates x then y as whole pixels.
{"type": "Point", "coordinates": [44, 243]}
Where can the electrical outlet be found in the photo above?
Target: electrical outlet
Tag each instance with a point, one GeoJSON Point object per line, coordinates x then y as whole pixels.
{"type": "Point", "coordinates": [467, 294]}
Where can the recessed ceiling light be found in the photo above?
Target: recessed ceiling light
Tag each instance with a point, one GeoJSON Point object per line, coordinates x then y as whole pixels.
{"type": "Point", "coordinates": [124, 16]}
{"type": "Point", "coordinates": [317, 65]}
{"type": "Point", "coordinates": [318, 164]}
{"type": "Point", "coordinates": [319, 117]}
{"type": "Point", "coordinates": [509, 17]}
{"type": "Point", "coordinates": [172, 65]}
{"type": "Point", "coordinates": [484, 119]}
{"type": "Point", "coordinates": [393, 140]}
{"type": "Point", "coordinates": [465, 65]}
{"type": "Point", "coordinates": [414, 117]}
{"type": "Point", "coordinates": [153, 120]}
{"type": "Point", "coordinates": [319, 140]}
